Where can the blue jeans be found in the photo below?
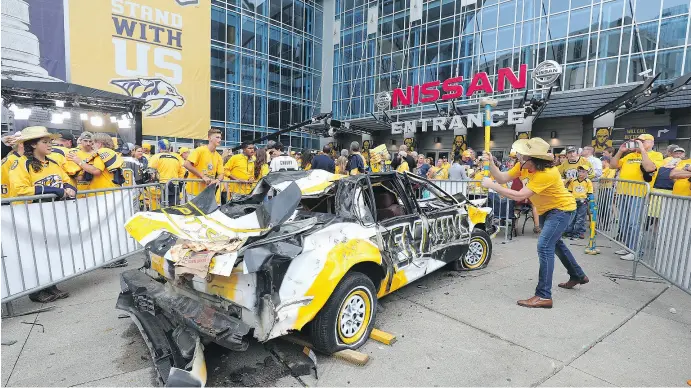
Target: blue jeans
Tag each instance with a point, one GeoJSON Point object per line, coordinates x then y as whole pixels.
{"type": "Point", "coordinates": [554, 223]}
{"type": "Point", "coordinates": [630, 208]}
{"type": "Point", "coordinates": [577, 224]}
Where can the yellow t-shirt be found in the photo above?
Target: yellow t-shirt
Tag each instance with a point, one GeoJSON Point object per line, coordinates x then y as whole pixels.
{"type": "Point", "coordinates": [439, 173]}
{"type": "Point", "coordinates": [548, 187]}
{"type": "Point", "coordinates": [209, 163]}
{"type": "Point", "coordinates": [569, 170]}
{"type": "Point", "coordinates": [24, 181]}
{"type": "Point", "coordinates": [264, 171]}
{"type": "Point", "coordinates": [10, 162]}
{"type": "Point", "coordinates": [402, 167]}
{"type": "Point", "coordinates": [630, 169]}
{"type": "Point", "coordinates": [608, 173]}
{"type": "Point", "coordinates": [109, 162]}
{"type": "Point", "coordinates": [580, 189]}
{"type": "Point", "coordinates": [682, 186]}
{"type": "Point", "coordinates": [239, 167]}
{"type": "Point", "coordinates": [90, 158]}
{"type": "Point", "coordinates": [168, 165]}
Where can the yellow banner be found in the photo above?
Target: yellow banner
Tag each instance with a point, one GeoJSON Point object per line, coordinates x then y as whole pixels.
{"type": "Point", "coordinates": [158, 50]}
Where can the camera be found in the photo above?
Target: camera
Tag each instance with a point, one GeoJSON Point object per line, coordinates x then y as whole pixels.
{"type": "Point", "coordinates": [631, 145]}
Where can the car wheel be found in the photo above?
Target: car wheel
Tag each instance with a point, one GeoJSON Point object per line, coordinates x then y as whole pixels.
{"type": "Point", "coordinates": [347, 318]}
{"type": "Point", "coordinates": [479, 252]}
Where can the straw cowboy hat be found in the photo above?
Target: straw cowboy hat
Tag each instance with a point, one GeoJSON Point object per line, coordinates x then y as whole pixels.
{"type": "Point", "coordinates": [534, 148]}
{"type": "Point", "coordinates": [31, 133]}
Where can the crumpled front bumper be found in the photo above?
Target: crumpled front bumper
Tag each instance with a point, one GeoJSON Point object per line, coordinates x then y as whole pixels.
{"type": "Point", "coordinates": [172, 326]}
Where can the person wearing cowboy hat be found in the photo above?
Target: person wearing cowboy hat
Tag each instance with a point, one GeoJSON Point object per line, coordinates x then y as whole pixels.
{"type": "Point", "coordinates": [555, 206]}
{"type": "Point", "coordinates": [36, 174]}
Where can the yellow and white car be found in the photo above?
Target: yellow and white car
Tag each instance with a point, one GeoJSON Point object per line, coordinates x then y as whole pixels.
{"type": "Point", "coordinates": [305, 251]}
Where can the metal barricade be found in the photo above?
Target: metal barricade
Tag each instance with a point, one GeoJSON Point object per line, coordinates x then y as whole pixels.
{"type": "Point", "coordinates": [47, 241]}
{"type": "Point", "coordinates": [179, 191]}
{"type": "Point", "coordinates": [666, 239]}
{"type": "Point", "coordinates": [502, 207]}
{"type": "Point", "coordinates": [622, 208]}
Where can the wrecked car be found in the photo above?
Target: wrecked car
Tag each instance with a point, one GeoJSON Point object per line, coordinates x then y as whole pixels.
{"type": "Point", "coordinates": [305, 251]}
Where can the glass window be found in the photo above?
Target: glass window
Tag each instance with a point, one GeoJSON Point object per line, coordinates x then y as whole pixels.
{"type": "Point", "coordinates": [233, 67]}
{"type": "Point", "coordinates": [647, 33]}
{"type": "Point", "coordinates": [286, 47]}
{"type": "Point", "coordinates": [445, 71]}
{"type": "Point", "coordinates": [261, 37]}
{"type": "Point", "coordinates": [556, 50]}
{"type": "Point", "coordinates": [400, 22]}
{"type": "Point", "coordinates": [446, 50]}
{"type": "Point", "coordinates": [217, 64]}
{"type": "Point", "coordinates": [623, 64]}
{"type": "Point", "coordinates": [579, 22]}
{"type": "Point", "coordinates": [218, 24]}
{"type": "Point", "coordinates": [387, 7]}
{"type": "Point", "coordinates": [580, 3]}
{"type": "Point", "coordinates": [260, 110]}
{"type": "Point", "coordinates": [647, 10]}
{"type": "Point", "coordinates": [386, 27]}
{"type": "Point", "coordinates": [687, 66]}
{"type": "Point", "coordinates": [488, 41]}
{"type": "Point", "coordinates": [275, 42]}
{"type": "Point", "coordinates": [347, 19]}
{"type": "Point", "coordinates": [233, 31]}
{"type": "Point", "coordinates": [590, 75]}
{"type": "Point", "coordinates": [248, 32]}
{"type": "Point", "coordinates": [275, 10]}
{"type": "Point", "coordinates": [636, 65]}
{"type": "Point", "coordinates": [574, 76]}
{"type": "Point", "coordinates": [507, 12]}
{"type": "Point", "coordinates": [247, 71]}
{"type": "Point", "coordinates": [287, 12]}
{"type": "Point", "coordinates": [612, 14]}
{"type": "Point", "coordinates": [217, 104]}
{"type": "Point", "coordinates": [529, 34]}
{"type": "Point", "coordinates": [609, 43]}
{"type": "Point", "coordinates": [432, 12]}
{"type": "Point", "coordinates": [318, 23]}
{"type": "Point", "coordinates": [317, 56]}
{"type": "Point", "coordinates": [595, 18]}
{"type": "Point", "coordinates": [626, 40]}
{"type": "Point", "coordinates": [674, 7]}
{"type": "Point", "coordinates": [247, 109]}
{"type": "Point", "coordinates": [285, 114]}
{"type": "Point", "coordinates": [606, 72]}
{"type": "Point", "coordinates": [669, 63]}
{"type": "Point", "coordinates": [558, 25]}
{"type": "Point", "coordinates": [447, 9]}
{"type": "Point", "coordinates": [489, 17]}
{"type": "Point", "coordinates": [558, 6]}
{"type": "Point", "coordinates": [274, 78]}
{"type": "Point", "coordinates": [468, 22]}
{"type": "Point", "coordinates": [505, 38]}
{"type": "Point", "coordinates": [299, 15]}
{"type": "Point", "coordinates": [432, 33]}
{"type": "Point", "coordinates": [260, 74]}
{"type": "Point", "coordinates": [309, 20]}
{"type": "Point", "coordinates": [673, 32]}
{"type": "Point", "coordinates": [447, 29]}
{"type": "Point", "coordinates": [298, 45]}
{"type": "Point", "coordinates": [577, 49]}
{"type": "Point", "coordinates": [233, 105]}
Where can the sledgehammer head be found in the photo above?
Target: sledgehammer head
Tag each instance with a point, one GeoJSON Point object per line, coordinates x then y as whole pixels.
{"type": "Point", "coordinates": [484, 101]}
{"type": "Point", "coordinates": [592, 251]}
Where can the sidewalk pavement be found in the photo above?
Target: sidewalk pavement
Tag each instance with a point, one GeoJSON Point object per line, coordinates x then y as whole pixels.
{"type": "Point", "coordinates": [453, 329]}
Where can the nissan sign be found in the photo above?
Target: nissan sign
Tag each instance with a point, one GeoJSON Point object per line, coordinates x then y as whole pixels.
{"type": "Point", "coordinates": [546, 73]}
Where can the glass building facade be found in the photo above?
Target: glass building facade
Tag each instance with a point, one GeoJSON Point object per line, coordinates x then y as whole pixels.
{"type": "Point", "coordinates": [597, 42]}
{"type": "Point", "coordinates": [266, 66]}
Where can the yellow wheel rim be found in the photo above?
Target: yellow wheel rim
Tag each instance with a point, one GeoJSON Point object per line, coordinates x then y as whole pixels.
{"type": "Point", "coordinates": [354, 316]}
{"type": "Point", "coordinates": [477, 253]}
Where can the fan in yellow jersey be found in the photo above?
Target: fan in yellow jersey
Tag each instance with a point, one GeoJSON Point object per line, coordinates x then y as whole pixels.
{"type": "Point", "coordinates": [637, 162]}
{"type": "Point", "coordinates": [206, 164]}
{"type": "Point", "coordinates": [169, 167]}
{"type": "Point", "coordinates": [555, 205]}
{"type": "Point", "coordinates": [682, 178]}
{"type": "Point", "coordinates": [569, 168]}
{"type": "Point", "coordinates": [403, 165]}
{"type": "Point", "coordinates": [84, 158]}
{"type": "Point", "coordinates": [35, 174]}
{"type": "Point", "coordinates": [10, 160]}
{"type": "Point", "coordinates": [111, 175]}
{"type": "Point", "coordinates": [240, 167]}
{"type": "Point", "coordinates": [438, 172]}
{"type": "Point", "coordinates": [580, 188]}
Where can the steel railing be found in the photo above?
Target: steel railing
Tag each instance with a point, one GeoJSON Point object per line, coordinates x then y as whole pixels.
{"type": "Point", "coordinates": [621, 211]}
{"type": "Point", "coordinates": [47, 241]}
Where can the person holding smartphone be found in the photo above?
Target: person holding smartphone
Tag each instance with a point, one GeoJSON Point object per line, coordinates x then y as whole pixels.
{"type": "Point", "coordinates": [636, 161]}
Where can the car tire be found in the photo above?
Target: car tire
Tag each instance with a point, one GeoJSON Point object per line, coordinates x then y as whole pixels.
{"type": "Point", "coordinates": [354, 299]}
{"type": "Point", "coordinates": [478, 254]}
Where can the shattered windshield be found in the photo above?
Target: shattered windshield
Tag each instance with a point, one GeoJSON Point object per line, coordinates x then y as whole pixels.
{"type": "Point", "coordinates": [350, 201]}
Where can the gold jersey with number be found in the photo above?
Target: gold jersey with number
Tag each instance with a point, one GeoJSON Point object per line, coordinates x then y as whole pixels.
{"type": "Point", "coordinates": [50, 179]}
{"type": "Point", "coordinates": [10, 161]}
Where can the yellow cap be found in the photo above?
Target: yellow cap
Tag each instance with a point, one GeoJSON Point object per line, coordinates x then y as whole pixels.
{"type": "Point", "coordinates": [182, 150]}
{"type": "Point", "coordinates": [466, 154]}
{"type": "Point", "coordinates": [646, 136]}
{"type": "Point", "coordinates": [146, 146]}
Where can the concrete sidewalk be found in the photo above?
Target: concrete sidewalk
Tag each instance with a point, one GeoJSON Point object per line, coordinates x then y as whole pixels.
{"type": "Point", "coordinates": [456, 329]}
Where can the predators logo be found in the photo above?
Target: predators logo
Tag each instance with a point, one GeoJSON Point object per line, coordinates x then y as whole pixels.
{"type": "Point", "coordinates": [161, 97]}
{"type": "Point", "coordinates": [50, 181]}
